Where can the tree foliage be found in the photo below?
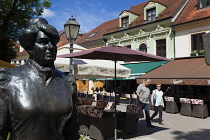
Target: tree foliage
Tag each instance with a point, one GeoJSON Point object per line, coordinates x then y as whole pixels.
{"type": "Point", "coordinates": [13, 17]}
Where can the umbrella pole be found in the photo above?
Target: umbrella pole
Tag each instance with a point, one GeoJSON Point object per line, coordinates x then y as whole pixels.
{"type": "Point", "coordinates": [115, 100]}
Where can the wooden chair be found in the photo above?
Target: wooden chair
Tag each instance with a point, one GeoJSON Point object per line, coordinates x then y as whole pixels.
{"type": "Point", "coordinates": [84, 121]}
{"type": "Point", "coordinates": [199, 109]}
{"type": "Point", "coordinates": [101, 122]}
{"type": "Point", "coordinates": [170, 105]}
{"type": "Point", "coordinates": [127, 121]}
{"type": "Point", "coordinates": [186, 108]}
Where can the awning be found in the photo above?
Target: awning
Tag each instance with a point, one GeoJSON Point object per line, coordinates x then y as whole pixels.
{"type": "Point", "coordinates": [4, 64]}
{"type": "Point", "coordinates": [138, 69]}
{"type": "Point", "coordinates": [185, 71]}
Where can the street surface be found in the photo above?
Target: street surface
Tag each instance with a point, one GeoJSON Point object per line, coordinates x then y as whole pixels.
{"type": "Point", "coordinates": [176, 127]}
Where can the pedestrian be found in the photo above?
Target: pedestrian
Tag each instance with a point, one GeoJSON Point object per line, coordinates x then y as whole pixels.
{"type": "Point", "coordinates": [143, 94]}
{"type": "Point", "coordinates": [158, 103]}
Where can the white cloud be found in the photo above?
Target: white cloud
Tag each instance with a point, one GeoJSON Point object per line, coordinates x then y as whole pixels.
{"type": "Point", "coordinates": [48, 13]}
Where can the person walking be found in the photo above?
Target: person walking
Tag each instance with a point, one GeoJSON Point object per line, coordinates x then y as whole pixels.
{"type": "Point", "coordinates": [143, 94]}
{"type": "Point", "coordinates": [158, 103]}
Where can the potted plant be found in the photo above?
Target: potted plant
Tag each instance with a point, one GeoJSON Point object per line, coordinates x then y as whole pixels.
{"type": "Point", "coordinates": [194, 53]}
{"type": "Point", "coordinates": [201, 52]}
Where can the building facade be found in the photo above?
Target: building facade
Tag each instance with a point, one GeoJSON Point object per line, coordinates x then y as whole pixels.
{"type": "Point", "coordinates": [193, 22]}
{"type": "Point", "coordinates": [147, 27]}
{"type": "Point", "coordinates": [144, 27]}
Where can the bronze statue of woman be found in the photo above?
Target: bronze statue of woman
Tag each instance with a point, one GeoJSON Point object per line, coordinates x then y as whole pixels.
{"type": "Point", "coordinates": [37, 101]}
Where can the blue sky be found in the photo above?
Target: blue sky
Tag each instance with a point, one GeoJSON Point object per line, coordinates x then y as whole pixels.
{"type": "Point", "coordinates": [89, 13]}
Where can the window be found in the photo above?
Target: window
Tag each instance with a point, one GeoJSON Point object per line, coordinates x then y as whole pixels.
{"type": "Point", "coordinates": [129, 46]}
{"type": "Point", "coordinates": [197, 41]}
{"type": "Point", "coordinates": [125, 22]}
{"type": "Point", "coordinates": [92, 35]}
{"type": "Point", "coordinates": [161, 47]}
{"type": "Point", "coordinates": [151, 14]}
{"type": "Point", "coordinates": [143, 47]}
{"type": "Point", "coordinates": [204, 3]}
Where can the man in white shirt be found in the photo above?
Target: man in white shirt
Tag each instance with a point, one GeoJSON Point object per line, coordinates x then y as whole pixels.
{"type": "Point", "coordinates": [143, 93]}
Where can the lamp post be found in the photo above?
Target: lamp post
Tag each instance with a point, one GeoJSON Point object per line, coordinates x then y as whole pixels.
{"type": "Point", "coordinates": [71, 28]}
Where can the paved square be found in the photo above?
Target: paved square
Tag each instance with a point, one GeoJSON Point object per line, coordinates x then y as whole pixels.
{"type": "Point", "coordinates": [176, 127]}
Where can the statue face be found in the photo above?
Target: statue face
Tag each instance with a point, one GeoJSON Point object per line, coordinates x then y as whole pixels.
{"type": "Point", "coordinates": [44, 51]}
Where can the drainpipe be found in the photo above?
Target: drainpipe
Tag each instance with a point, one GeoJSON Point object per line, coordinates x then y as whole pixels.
{"type": "Point", "coordinates": [105, 41]}
{"type": "Point", "coordinates": [174, 44]}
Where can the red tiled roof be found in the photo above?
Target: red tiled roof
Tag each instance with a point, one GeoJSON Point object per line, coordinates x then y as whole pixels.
{"type": "Point", "coordinates": [113, 25]}
{"type": "Point", "coordinates": [60, 32]}
{"type": "Point", "coordinates": [63, 39]}
{"type": "Point", "coordinates": [191, 13]}
{"type": "Point", "coordinates": [60, 44]}
{"type": "Point", "coordinates": [128, 11]}
{"type": "Point", "coordinates": [24, 52]}
{"type": "Point", "coordinates": [171, 7]}
{"type": "Point", "coordinates": [101, 29]}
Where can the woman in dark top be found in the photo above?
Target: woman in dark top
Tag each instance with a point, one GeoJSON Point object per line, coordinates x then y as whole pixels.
{"type": "Point", "coordinates": [37, 101]}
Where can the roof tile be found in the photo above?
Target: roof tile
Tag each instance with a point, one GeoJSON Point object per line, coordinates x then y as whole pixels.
{"type": "Point", "coordinates": [113, 25]}
{"type": "Point", "coordinates": [191, 13]}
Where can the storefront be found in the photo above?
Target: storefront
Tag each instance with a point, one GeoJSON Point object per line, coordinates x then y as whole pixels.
{"type": "Point", "coordinates": [129, 85]}
{"type": "Point", "coordinates": [182, 78]}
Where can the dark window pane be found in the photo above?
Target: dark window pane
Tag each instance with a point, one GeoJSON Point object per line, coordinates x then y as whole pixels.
{"type": "Point", "coordinates": [201, 42]}
{"type": "Point", "coordinates": [125, 22]}
{"type": "Point", "coordinates": [129, 46]}
{"type": "Point", "coordinates": [143, 48]}
{"type": "Point", "coordinates": [203, 3]}
{"type": "Point", "coordinates": [151, 14]}
{"type": "Point", "coordinates": [153, 17]}
{"type": "Point", "coordinates": [197, 42]}
{"type": "Point", "coordinates": [161, 47]}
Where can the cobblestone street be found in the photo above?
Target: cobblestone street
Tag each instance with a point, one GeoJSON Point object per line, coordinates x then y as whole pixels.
{"type": "Point", "coordinates": [176, 127]}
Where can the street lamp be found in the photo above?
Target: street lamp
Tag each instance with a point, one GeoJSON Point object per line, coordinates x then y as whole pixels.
{"type": "Point", "coordinates": [71, 28]}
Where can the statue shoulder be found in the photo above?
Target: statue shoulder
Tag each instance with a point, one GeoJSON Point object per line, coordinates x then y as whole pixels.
{"type": "Point", "coordinates": [4, 79]}
{"type": "Point", "coordinates": [71, 78]}
{"type": "Point", "coordinates": [72, 82]}
{"type": "Point", "coordinates": [2, 70]}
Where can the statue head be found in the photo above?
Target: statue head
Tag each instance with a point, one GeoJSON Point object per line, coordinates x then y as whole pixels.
{"type": "Point", "coordinates": [39, 39]}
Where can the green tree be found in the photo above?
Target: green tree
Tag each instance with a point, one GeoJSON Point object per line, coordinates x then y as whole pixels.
{"type": "Point", "coordinates": [13, 17]}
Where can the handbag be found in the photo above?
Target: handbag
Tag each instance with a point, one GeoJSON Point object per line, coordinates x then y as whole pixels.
{"type": "Point", "coordinates": [154, 98]}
